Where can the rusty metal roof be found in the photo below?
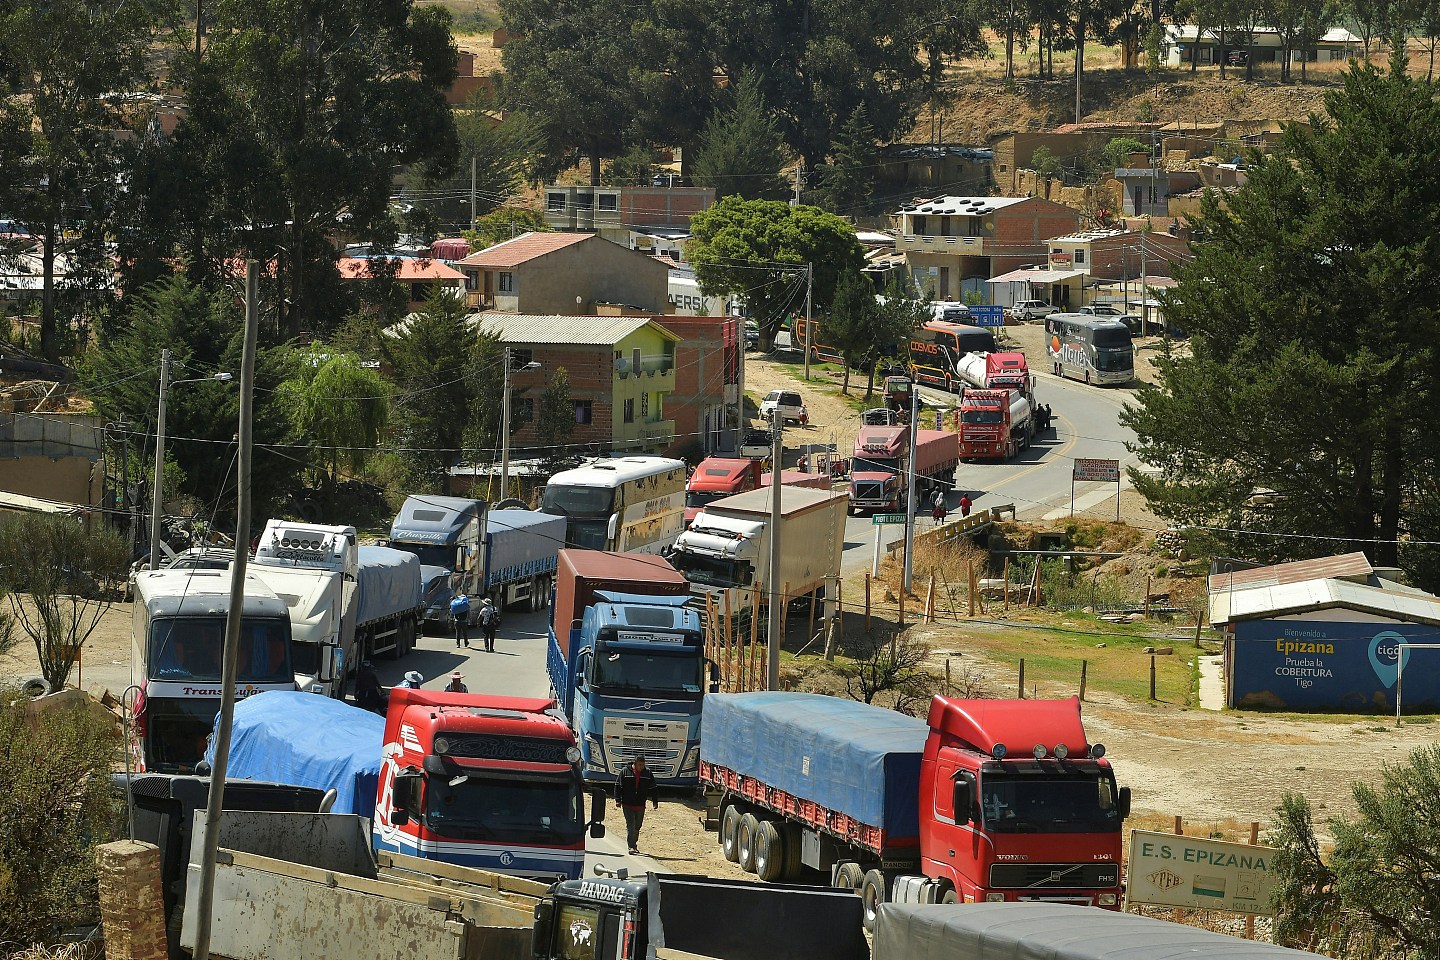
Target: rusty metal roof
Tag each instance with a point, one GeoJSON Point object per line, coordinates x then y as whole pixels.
{"type": "Point", "coordinates": [1346, 566]}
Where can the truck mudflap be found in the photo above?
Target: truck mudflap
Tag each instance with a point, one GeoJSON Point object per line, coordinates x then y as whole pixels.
{"type": "Point", "coordinates": [699, 915]}
{"type": "Point", "coordinates": [539, 863]}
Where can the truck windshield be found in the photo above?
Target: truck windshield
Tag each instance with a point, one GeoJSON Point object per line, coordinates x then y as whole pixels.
{"type": "Point", "coordinates": [634, 672]}
{"type": "Point", "coordinates": [981, 416]}
{"type": "Point", "coordinates": [698, 498]}
{"type": "Point", "coordinates": [886, 464]}
{"type": "Point", "coordinates": [568, 501]}
{"type": "Point", "coordinates": [190, 648]}
{"type": "Point", "coordinates": [473, 806]}
{"type": "Point", "coordinates": [711, 571]}
{"type": "Point", "coordinates": [430, 555]}
{"type": "Point", "coordinates": [577, 932]}
{"type": "Point", "coordinates": [1044, 804]}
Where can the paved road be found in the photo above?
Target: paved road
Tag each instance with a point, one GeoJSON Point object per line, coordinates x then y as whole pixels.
{"type": "Point", "coordinates": [1037, 482]}
{"type": "Point", "coordinates": [517, 669]}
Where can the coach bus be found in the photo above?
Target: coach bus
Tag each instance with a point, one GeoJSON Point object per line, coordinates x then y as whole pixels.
{"type": "Point", "coordinates": [1094, 349]}
{"type": "Point", "coordinates": [622, 504]}
{"type": "Point", "coordinates": [937, 348]}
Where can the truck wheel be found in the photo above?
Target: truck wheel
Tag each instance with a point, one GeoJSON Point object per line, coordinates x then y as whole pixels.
{"type": "Point", "coordinates": [745, 841]}
{"type": "Point", "coordinates": [769, 852]}
{"type": "Point", "coordinates": [874, 891]}
{"type": "Point", "coordinates": [730, 833]}
{"type": "Point", "coordinates": [849, 876]}
{"type": "Point", "coordinates": [792, 867]}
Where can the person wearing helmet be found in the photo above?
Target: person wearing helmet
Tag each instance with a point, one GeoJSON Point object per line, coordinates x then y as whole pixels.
{"type": "Point", "coordinates": [412, 680]}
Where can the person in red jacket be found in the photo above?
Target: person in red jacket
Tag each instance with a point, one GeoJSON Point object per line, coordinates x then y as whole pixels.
{"type": "Point", "coordinates": [633, 787]}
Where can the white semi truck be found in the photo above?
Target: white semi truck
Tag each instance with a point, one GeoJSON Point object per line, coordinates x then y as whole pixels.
{"type": "Point", "coordinates": [347, 603]}
{"type": "Point", "coordinates": [726, 551]}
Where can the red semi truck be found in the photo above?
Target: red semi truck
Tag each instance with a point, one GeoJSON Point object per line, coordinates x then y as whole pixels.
{"type": "Point", "coordinates": [994, 423]}
{"type": "Point", "coordinates": [716, 478]}
{"type": "Point", "coordinates": [878, 468]}
{"type": "Point", "coordinates": [984, 801]}
{"type": "Point", "coordinates": [997, 371]}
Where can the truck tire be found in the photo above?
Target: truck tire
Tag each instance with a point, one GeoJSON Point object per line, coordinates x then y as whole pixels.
{"type": "Point", "coordinates": [793, 867]}
{"type": "Point", "coordinates": [769, 852]}
{"type": "Point", "coordinates": [745, 838]}
{"type": "Point", "coordinates": [849, 876]}
{"type": "Point", "coordinates": [537, 598]}
{"type": "Point", "coordinates": [730, 833]}
{"type": "Point", "coordinates": [874, 890]}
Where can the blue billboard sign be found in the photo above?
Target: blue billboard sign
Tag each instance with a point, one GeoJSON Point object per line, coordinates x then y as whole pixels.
{"type": "Point", "coordinates": [985, 315]}
{"type": "Point", "coordinates": [1332, 665]}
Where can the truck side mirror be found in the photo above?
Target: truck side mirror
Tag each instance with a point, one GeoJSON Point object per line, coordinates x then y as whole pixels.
{"type": "Point", "coordinates": [541, 933]}
{"type": "Point", "coordinates": [1124, 802]}
{"type": "Point", "coordinates": [964, 801]}
{"type": "Point", "coordinates": [713, 669]}
{"type": "Point", "coordinates": [597, 815]}
{"type": "Point", "coordinates": [403, 796]}
{"type": "Point", "coordinates": [612, 526]}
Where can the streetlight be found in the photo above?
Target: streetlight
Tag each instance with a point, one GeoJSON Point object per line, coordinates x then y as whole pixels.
{"type": "Point", "coordinates": [505, 422]}
{"type": "Point", "coordinates": [165, 385]}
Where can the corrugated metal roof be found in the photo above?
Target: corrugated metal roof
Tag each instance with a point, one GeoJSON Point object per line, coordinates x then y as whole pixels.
{"type": "Point", "coordinates": [522, 249]}
{"type": "Point", "coordinates": [1280, 599]}
{"type": "Point", "coordinates": [603, 331]}
{"type": "Point", "coordinates": [1037, 276]}
{"type": "Point", "coordinates": [1346, 565]}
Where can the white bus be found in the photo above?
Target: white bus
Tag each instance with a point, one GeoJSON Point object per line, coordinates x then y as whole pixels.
{"type": "Point", "coordinates": [1094, 349]}
{"type": "Point", "coordinates": [622, 505]}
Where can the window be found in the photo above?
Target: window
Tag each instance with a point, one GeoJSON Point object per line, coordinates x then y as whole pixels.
{"type": "Point", "coordinates": [507, 282]}
{"type": "Point", "coordinates": [635, 361]}
{"type": "Point", "coordinates": [944, 281]}
{"type": "Point", "coordinates": [522, 411]}
{"type": "Point", "coordinates": [584, 201]}
{"type": "Point", "coordinates": [1079, 256]}
{"type": "Point", "coordinates": [919, 223]}
{"type": "Point", "coordinates": [608, 201]}
{"type": "Point", "coordinates": [630, 410]}
{"type": "Point", "coordinates": [472, 280]}
{"type": "Point", "coordinates": [945, 226]}
{"type": "Point", "coordinates": [583, 413]}
{"type": "Point", "coordinates": [555, 202]}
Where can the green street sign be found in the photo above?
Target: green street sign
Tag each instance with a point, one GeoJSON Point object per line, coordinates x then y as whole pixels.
{"type": "Point", "coordinates": [880, 519]}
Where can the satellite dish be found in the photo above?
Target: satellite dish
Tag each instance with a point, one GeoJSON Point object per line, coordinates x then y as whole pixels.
{"type": "Point", "coordinates": [622, 365]}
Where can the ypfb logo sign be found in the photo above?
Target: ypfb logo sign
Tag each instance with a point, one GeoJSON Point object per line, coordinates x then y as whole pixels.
{"type": "Point", "coordinates": [1387, 657]}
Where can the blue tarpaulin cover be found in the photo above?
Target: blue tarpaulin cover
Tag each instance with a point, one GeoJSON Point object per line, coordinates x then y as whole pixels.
{"type": "Point", "coordinates": [522, 543]}
{"type": "Point", "coordinates": [389, 582]}
{"type": "Point", "coordinates": [307, 741]}
{"type": "Point", "coordinates": [861, 760]}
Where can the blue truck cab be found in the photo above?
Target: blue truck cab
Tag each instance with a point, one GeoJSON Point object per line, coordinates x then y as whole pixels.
{"type": "Point", "coordinates": [446, 534]}
{"type": "Point", "coordinates": [633, 686]}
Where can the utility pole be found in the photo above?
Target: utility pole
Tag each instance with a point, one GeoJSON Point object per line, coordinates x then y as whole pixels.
{"type": "Point", "coordinates": [1144, 295]}
{"type": "Point", "coordinates": [775, 588]}
{"type": "Point", "coordinates": [910, 490]}
{"type": "Point", "coordinates": [229, 663]}
{"type": "Point", "coordinates": [809, 330]}
{"type": "Point", "coordinates": [156, 485]}
{"type": "Point", "coordinates": [472, 193]}
{"type": "Point", "coordinates": [799, 176]}
{"type": "Point", "coordinates": [505, 424]}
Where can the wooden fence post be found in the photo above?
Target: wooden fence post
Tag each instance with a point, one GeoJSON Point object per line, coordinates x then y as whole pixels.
{"type": "Point", "coordinates": [1152, 676]}
{"type": "Point", "coordinates": [1250, 917]}
{"type": "Point", "coordinates": [1007, 583]}
{"type": "Point", "coordinates": [1022, 678]}
{"type": "Point", "coordinates": [930, 600]}
{"type": "Point", "coordinates": [867, 603]}
{"type": "Point", "coordinates": [1083, 665]}
{"type": "Point", "coordinates": [1145, 607]}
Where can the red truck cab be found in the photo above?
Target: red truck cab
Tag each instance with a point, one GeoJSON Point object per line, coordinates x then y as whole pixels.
{"type": "Point", "coordinates": [716, 478]}
{"type": "Point", "coordinates": [875, 468]}
{"type": "Point", "coordinates": [1016, 805]}
{"type": "Point", "coordinates": [1008, 371]}
{"type": "Point", "coordinates": [994, 423]}
{"type": "Point", "coordinates": [484, 781]}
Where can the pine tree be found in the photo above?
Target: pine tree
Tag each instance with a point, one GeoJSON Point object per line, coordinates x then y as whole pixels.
{"type": "Point", "coordinates": [739, 151]}
{"type": "Point", "coordinates": [847, 181]}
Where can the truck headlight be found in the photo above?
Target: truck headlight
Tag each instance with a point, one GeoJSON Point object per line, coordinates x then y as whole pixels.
{"type": "Point", "coordinates": [1107, 900]}
{"type": "Point", "coordinates": [994, 898]}
{"type": "Point", "coordinates": [692, 761]}
{"type": "Point", "coordinates": [573, 755]}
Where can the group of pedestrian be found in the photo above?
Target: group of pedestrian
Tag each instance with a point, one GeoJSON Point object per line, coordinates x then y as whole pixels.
{"type": "Point", "coordinates": [489, 618]}
{"type": "Point", "coordinates": [938, 506]}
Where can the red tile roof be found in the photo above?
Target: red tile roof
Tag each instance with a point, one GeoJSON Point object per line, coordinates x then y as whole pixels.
{"type": "Point", "coordinates": [522, 249]}
{"type": "Point", "coordinates": [407, 269]}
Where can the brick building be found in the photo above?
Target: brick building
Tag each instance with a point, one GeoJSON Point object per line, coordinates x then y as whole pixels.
{"type": "Point", "coordinates": [953, 245]}
{"type": "Point", "coordinates": [563, 274]}
{"type": "Point", "coordinates": [709, 383]}
{"type": "Point", "coordinates": [621, 372]}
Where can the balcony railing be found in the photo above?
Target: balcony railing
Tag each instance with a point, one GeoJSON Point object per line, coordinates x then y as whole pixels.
{"type": "Point", "coordinates": [934, 244]}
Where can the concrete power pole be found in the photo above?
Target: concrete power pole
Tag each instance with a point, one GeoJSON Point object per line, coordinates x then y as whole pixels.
{"type": "Point", "coordinates": [775, 588]}
{"type": "Point", "coordinates": [910, 488]}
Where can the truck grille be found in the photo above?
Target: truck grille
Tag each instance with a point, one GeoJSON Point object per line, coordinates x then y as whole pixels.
{"type": "Point", "coordinates": [1041, 875]}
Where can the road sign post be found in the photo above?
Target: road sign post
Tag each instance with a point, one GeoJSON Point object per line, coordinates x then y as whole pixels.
{"type": "Point", "coordinates": [986, 315]}
{"type": "Point", "coordinates": [1100, 471]}
{"type": "Point", "coordinates": [880, 521]}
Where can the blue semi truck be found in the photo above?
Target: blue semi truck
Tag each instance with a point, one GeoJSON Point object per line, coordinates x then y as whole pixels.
{"type": "Point", "coordinates": [464, 547]}
{"type": "Point", "coordinates": [627, 664]}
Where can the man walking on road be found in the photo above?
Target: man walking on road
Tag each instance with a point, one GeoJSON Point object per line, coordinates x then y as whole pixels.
{"type": "Point", "coordinates": [460, 613]}
{"type": "Point", "coordinates": [633, 787]}
{"type": "Point", "coordinates": [489, 622]}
